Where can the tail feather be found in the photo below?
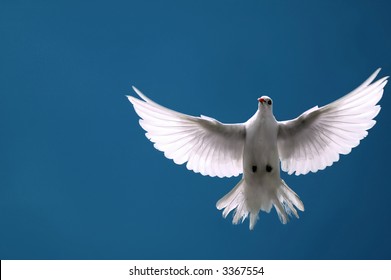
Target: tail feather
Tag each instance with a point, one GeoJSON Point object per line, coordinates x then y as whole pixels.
{"type": "Point", "coordinates": [253, 220]}
{"type": "Point", "coordinates": [291, 196]}
{"type": "Point", "coordinates": [232, 199]}
{"type": "Point", "coordinates": [287, 201]}
{"type": "Point", "coordinates": [249, 201]}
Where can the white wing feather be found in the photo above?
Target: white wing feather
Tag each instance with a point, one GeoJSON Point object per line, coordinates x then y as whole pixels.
{"type": "Point", "coordinates": [207, 145]}
{"type": "Point", "coordinates": [316, 138]}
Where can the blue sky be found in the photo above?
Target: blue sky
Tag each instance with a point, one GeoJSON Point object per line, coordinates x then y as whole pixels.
{"type": "Point", "coordinates": [78, 178]}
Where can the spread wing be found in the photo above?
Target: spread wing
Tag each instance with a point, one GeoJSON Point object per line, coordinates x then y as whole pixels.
{"type": "Point", "coordinates": [317, 137]}
{"type": "Point", "coordinates": [207, 145]}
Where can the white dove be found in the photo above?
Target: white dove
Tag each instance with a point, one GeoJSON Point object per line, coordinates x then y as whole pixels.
{"type": "Point", "coordinates": [311, 142]}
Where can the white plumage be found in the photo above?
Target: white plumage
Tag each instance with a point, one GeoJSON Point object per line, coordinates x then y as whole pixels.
{"type": "Point", "coordinates": [311, 142]}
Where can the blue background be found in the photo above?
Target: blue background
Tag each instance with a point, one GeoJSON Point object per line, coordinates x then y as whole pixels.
{"type": "Point", "coordinates": [78, 179]}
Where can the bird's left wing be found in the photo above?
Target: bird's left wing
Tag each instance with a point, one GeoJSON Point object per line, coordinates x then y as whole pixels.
{"type": "Point", "coordinates": [207, 145]}
{"type": "Point", "coordinates": [317, 137]}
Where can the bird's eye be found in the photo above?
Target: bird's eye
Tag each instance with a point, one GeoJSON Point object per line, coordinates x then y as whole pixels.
{"type": "Point", "coordinates": [269, 102]}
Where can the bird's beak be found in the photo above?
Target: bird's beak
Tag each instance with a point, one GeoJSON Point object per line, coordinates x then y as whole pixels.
{"type": "Point", "coordinates": [261, 100]}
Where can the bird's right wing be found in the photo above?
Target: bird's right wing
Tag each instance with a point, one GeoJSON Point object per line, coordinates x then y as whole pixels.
{"type": "Point", "coordinates": [207, 145]}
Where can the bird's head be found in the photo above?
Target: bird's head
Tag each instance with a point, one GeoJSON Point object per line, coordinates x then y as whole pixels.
{"type": "Point", "coordinates": [265, 103]}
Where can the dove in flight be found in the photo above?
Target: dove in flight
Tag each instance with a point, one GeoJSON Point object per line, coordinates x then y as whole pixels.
{"type": "Point", "coordinates": [310, 142]}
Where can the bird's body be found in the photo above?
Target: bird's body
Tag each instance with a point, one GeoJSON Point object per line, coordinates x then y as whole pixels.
{"type": "Point", "coordinates": [261, 172]}
{"type": "Point", "coordinates": [261, 136]}
{"type": "Point", "coordinates": [261, 186]}
{"type": "Point", "coordinates": [257, 147]}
